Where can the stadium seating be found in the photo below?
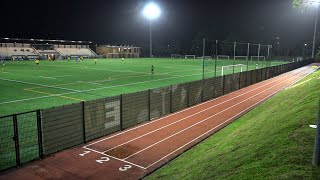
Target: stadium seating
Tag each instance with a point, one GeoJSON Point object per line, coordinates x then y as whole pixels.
{"type": "Point", "coordinates": [76, 52]}
{"type": "Point", "coordinates": [17, 51]}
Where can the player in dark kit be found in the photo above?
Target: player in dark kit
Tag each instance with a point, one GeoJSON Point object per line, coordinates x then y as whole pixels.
{"type": "Point", "coordinates": [152, 69]}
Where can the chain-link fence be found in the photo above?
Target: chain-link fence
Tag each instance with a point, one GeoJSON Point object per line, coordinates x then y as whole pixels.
{"type": "Point", "coordinates": [32, 135]}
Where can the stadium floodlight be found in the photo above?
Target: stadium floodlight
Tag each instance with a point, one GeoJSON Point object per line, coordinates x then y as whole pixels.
{"type": "Point", "coordinates": [151, 11]}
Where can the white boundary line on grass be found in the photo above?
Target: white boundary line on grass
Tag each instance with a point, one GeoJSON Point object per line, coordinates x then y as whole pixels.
{"type": "Point", "coordinates": [225, 122]}
{"type": "Point", "coordinates": [208, 118]}
{"type": "Point", "coordinates": [274, 78]}
{"type": "Point", "coordinates": [81, 91]}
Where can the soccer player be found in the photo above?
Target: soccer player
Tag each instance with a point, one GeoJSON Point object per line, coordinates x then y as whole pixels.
{"type": "Point", "coordinates": [37, 62]}
{"type": "Point", "coordinates": [77, 59]}
{"type": "Point", "coordinates": [95, 61]}
{"type": "Point", "coordinates": [152, 69]}
{"type": "Point", "coordinates": [3, 62]}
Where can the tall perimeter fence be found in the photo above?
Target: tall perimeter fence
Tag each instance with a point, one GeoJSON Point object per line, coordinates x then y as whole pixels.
{"type": "Point", "coordinates": [36, 134]}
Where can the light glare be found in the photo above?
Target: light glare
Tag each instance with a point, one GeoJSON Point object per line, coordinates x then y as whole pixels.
{"type": "Point", "coordinates": [151, 11]}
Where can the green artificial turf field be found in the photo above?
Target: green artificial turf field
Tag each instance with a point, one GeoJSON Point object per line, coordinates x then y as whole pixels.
{"type": "Point", "coordinates": [27, 87]}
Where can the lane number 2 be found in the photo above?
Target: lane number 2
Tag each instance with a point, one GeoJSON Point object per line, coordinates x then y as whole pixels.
{"type": "Point", "coordinates": [103, 159]}
{"type": "Point", "coordinates": [125, 167]}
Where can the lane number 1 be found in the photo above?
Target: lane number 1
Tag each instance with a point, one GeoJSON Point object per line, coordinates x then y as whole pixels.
{"type": "Point", "coordinates": [84, 153]}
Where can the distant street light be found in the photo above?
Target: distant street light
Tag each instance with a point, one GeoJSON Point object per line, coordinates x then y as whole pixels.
{"type": "Point", "coordinates": [151, 11]}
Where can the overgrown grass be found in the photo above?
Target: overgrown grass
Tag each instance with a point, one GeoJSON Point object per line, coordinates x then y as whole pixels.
{"type": "Point", "coordinates": [274, 141]}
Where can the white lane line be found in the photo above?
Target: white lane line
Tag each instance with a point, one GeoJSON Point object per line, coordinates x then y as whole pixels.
{"type": "Point", "coordinates": [47, 77]}
{"type": "Point", "coordinates": [204, 120]}
{"type": "Point", "coordinates": [272, 81]}
{"type": "Point", "coordinates": [222, 123]}
{"type": "Point", "coordinates": [115, 158]}
{"type": "Point", "coordinates": [183, 119]}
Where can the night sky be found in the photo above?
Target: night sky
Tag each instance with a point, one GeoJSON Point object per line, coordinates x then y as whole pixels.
{"type": "Point", "coordinates": [121, 21]}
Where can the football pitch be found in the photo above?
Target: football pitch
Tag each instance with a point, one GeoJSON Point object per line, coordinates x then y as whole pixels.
{"type": "Point", "coordinates": [26, 86]}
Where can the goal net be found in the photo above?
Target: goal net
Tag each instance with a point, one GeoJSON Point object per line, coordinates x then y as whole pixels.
{"type": "Point", "coordinates": [205, 57]}
{"type": "Point", "coordinates": [223, 57]}
{"type": "Point", "coordinates": [190, 56]}
{"type": "Point", "coordinates": [231, 69]}
{"type": "Point", "coordinates": [258, 58]}
{"type": "Point", "coordinates": [175, 56]}
{"type": "Point", "coordinates": [241, 57]}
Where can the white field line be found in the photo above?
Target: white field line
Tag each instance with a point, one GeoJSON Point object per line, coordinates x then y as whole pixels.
{"type": "Point", "coordinates": [115, 158]}
{"type": "Point", "coordinates": [274, 78]}
{"type": "Point", "coordinates": [5, 72]}
{"type": "Point", "coordinates": [223, 123]}
{"type": "Point", "coordinates": [187, 117]}
{"type": "Point", "coordinates": [46, 77]}
{"type": "Point", "coordinates": [81, 91]}
{"type": "Point", "coordinates": [89, 82]}
{"type": "Point", "coordinates": [35, 84]}
{"type": "Point", "coordinates": [62, 76]}
{"type": "Point", "coordinates": [54, 95]}
{"type": "Point", "coordinates": [204, 120]}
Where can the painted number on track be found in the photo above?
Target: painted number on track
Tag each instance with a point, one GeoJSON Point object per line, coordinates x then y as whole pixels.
{"type": "Point", "coordinates": [103, 159]}
{"type": "Point", "coordinates": [125, 167]}
{"type": "Point", "coordinates": [84, 153]}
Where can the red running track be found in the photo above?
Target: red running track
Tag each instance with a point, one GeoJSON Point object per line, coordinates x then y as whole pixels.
{"type": "Point", "coordinates": [133, 153]}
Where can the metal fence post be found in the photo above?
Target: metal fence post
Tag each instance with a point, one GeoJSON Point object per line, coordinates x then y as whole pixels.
{"type": "Point", "coordinates": [171, 99]}
{"type": "Point", "coordinates": [16, 138]}
{"type": "Point", "coordinates": [121, 119]}
{"type": "Point", "coordinates": [40, 144]}
{"type": "Point", "coordinates": [223, 82]}
{"type": "Point", "coordinates": [83, 123]}
{"type": "Point", "coordinates": [149, 104]}
{"type": "Point", "coordinates": [316, 151]}
{"type": "Point", "coordinates": [188, 98]}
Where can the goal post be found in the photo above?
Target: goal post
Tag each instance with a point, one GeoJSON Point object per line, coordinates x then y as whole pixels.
{"type": "Point", "coordinates": [224, 68]}
{"type": "Point", "coordinates": [190, 56]}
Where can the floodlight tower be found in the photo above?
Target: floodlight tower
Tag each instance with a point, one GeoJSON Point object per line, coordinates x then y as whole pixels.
{"type": "Point", "coordinates": [316, 3]}
{"type": "Point", "coordinates": [151, 11]}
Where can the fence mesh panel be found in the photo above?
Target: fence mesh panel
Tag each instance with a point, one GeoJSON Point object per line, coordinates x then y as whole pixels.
{"type": "Point", "coordinates": [159, 102]}
{"type": "Point", "coordinates": [195, 92]}
{"type": "Point", "coordinates": [263, 74]}
{"type": "Point", "coordinates": [236, 81]}
{"type": "Point", "coordinates": [249, 78]}
{"type": "Point", "coordinates": [62, 127]}
{"type": "Point", "coordinates": [218, 86]}
{"type": "Point", "coordinates": [7, 145]}
{"type": "Point", "coordinates": [254, 77]}
{"type": "Point", "coordinates": [102, 117]}
{"type": "Point", "coordinates": [243, 78]}
{"type": "Point", "coordinates": [208, 92]}
{"type": "Point", "coordinates": [228, 83]}
{"type": "Point", "coordinates": [28, 136]}
{"type": "Point", "coordinates": [258, 75]}
{"type": "Point", "coordinates": [135, 108]}
{"type": "Point", "coordinates": [180, 96]}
